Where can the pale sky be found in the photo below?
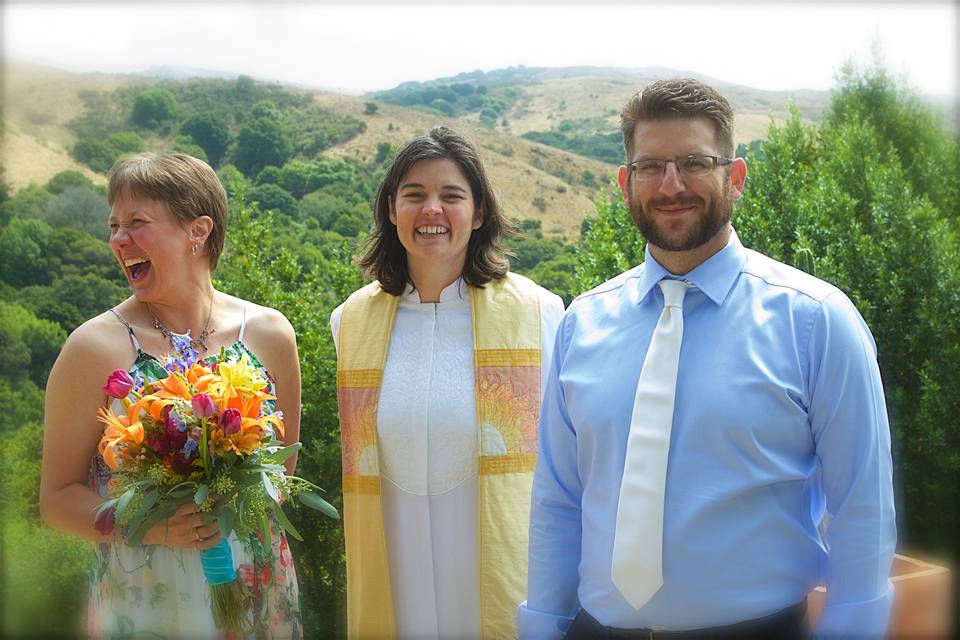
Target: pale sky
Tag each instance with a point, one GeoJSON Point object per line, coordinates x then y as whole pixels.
{"type": "Point", "coordinates": [370, 45]}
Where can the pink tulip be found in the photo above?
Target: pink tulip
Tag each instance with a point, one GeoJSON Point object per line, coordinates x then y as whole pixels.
{"type": "Point", "coordinates": [105, 522]}
{"type": "Point", "coordinates": [118, 384]}
{"type": "Point", "coordinates": [203, 406]}
{"type": "Point", "coordinates": [230, 421]}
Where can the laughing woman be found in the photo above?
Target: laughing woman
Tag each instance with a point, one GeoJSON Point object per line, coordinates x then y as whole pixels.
{"type": "Point", "coordinates": [167, 221]}
{"type": "Point", "coordinates": [439, 383]}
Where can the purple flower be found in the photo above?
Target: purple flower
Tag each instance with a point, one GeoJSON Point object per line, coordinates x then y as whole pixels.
{"type": "Point", "coordinates": [105, 522]}
{"type": "Point", "coordinates": [189, 447]}
{"type": "Point", "coordinates": [118, 384]}
{"type": "Point", "coordinates": [230, 421]}
{"type": "Point", "coordinates": [175, 420]}
{"type": "Point", "coordinates": [203, 406]}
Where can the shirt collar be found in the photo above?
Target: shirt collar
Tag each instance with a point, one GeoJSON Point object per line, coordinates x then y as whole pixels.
{"type": "Point", "coordinates": [454, 291]}
{"type": "Point", "coordinates": [714, 276]}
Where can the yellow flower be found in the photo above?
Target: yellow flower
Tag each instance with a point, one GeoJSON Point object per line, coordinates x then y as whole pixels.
{"type": "Point", "coordinates": [234, 378]}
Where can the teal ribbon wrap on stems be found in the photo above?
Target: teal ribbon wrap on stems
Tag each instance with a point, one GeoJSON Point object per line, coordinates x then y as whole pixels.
{"type": "Point", "coordinates": [218, 564]}
{"type": "Point", "coordinates": [226, 598]}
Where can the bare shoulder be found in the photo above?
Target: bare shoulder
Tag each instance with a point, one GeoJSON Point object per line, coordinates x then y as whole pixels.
{"type": "Point", "coordinates": [92, 351]}
{"type": "Point", "coordinates": [101, 338]}
{"type": "Point", "coordinates": [267, 333]}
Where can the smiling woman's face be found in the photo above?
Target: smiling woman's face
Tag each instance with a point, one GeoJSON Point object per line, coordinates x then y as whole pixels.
{"type": "Point", "coordinates": [153, 248]}
{"type": "Point", "coordinates": [435, 214]}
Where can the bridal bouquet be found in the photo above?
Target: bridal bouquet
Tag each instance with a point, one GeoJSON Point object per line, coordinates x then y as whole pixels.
{"type": "Point", "coordinates": [204, 431]}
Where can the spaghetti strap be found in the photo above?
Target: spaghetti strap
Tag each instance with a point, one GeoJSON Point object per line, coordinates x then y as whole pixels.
{"type": "Point", "coordinates": [133, 337]}
{"type": "Point", "coordinates": [243, 324]}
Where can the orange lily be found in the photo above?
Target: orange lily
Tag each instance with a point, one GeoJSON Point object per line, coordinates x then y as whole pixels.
{"type": "Point", "coordinates": [200, 377]}
{"type": "Point", "coordinates": [119, 431]}
{"type": "Point", "coordinates": [243, 442]}
{"type": "Point", "coordinates": [172, 387]}
{"type": "Point", "coordinates": [249, 408]}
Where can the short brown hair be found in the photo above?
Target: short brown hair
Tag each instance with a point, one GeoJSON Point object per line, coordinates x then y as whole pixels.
{"type": "Point", "coordinates": [385, 259]}
{"type": "Point", "coordinates": [678, 98]}
{"type": "Point", "coordinates": [188, 186]}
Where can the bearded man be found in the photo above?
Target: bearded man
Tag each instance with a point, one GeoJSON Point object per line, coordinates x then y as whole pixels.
{"type": "Point", "coordinates": [713, 438]}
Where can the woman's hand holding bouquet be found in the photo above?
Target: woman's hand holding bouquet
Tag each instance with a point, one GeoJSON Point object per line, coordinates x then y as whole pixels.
{"type": "Point", "coordinates": [196, 454]}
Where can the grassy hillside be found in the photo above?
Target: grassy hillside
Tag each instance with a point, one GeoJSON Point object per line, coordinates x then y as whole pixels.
{"type": "Point", "coordinates": [38, 105]}
{"type": "Point", "coordinates": [546, 183]}
{"type": "Point", "coordinates": [550, 96]}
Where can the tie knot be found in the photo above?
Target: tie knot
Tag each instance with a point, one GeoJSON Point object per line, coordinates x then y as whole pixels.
{"type": "Point", "coordinates": [673, 292]}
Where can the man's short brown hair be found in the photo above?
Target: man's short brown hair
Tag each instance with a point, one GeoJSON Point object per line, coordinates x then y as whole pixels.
{"type": "Point", "coordinates": [678, 98]}
{"type": "Point", "coordinates": [189, 187]}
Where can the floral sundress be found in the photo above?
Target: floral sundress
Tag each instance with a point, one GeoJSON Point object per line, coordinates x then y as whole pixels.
{"type": "Point", "coordinates": [159, 592]}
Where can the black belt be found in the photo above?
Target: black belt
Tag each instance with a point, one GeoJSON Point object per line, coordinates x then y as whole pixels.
{"type": "Point", "coordinates": [788, 624]}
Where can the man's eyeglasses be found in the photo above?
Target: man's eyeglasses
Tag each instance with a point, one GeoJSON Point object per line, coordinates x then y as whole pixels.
{"type": "Point", "coordinates": [695, 165]}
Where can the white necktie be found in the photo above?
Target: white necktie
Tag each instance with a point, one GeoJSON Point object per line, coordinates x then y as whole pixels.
{"type": "Point", "coordinates": [637, 569]}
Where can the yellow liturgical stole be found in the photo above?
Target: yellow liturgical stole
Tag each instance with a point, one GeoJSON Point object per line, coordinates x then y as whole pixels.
{"type": "Point", "coordinates": [506, 359]}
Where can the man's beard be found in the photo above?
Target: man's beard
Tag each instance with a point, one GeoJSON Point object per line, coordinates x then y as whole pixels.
{"type": "Point", "coordinates": [707, 225]}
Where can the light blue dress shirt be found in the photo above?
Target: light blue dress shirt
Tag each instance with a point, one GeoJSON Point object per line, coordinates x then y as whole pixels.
{"type": "Point", "coordinates": [779, 420]}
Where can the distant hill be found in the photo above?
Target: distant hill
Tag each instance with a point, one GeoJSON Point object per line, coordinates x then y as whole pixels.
{"type": "Point", "coordinates": [509, 112]}
{"type": "Point", "coordinates": [542, 99]}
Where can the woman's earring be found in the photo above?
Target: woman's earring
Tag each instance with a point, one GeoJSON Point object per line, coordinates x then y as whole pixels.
{"type": "Point", "coordinates": [194, 248]}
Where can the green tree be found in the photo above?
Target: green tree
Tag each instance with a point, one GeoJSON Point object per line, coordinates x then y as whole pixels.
{"type": "Point", "coordinates": [385, 150]}
{"type": "Point", "coordinates": [53, 606]}
{"type": "Point", "coordinates": [559, 275]}
{"type": "Point", "coordinates": [24, 252]}
{"type": "Point", "coordinates": [26, 203]}
{"type": "Point", "coordinates": [100, 155]}
{"type": "Point", "coordinates": [185, 144]}
{"type": "Point", "coordinates": [261, 142]}
{"type": "Point", "coordinates": [75, 252]}
{"type": "Point", "coordinates": [69, 178]}
{"type": "Point", "coordinates": [271, 197]}
{"type": "Point", "coordinates": [72, 299]}
{"type": "Point", "coordinates": [848, 199]}
{"type": "Point", "coordinates": [81, 208]}
{"type": "Point", "coordinates": [211, 132]}
{"type": "Point", "coordinates": [610, 243]}
{"type": "Point", "coordinates": [153, 108]}
{"type": "Point", "coordinates": [31, 344]}
{"type": "Point", "coordinates": [233, 180]}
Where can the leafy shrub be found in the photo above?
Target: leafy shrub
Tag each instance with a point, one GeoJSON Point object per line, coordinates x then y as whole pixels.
{"type": "Point", "coordinates": [153, 107]}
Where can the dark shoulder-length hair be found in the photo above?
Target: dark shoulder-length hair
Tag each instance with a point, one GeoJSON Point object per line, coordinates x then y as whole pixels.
{"type": "Point", "coordinates": [385, 259]}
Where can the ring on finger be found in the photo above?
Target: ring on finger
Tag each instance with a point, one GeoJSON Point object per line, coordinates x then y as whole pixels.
{"type": "Point", "coordinates": [196, 534]}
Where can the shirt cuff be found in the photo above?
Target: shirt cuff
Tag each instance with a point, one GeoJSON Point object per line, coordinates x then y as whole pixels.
{"type": "Point", "coordinates": [864, 619]}
{"type": "Point", "coordinates": [538, 625]}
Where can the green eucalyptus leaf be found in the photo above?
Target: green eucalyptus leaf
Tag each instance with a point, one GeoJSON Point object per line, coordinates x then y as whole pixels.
{"type": "Point", "coordinates": [227, 520]}
{"type": "Point", "coordinates": [149, 500]}
{"type": "Point", "coordinates": [285, 453]}
{"type": "Point", "coordinates": [201, 495]}
{"type": "Point", "coordinates": [285, 522]}
{"type": "Point", "coordinates": [312, 500]}
{"type": "Point", "coordinates": [124, 502]}
{"type": "Point", "coordinates": [261, 468]}
{"type": "Point", "coordinates": [270, 488]}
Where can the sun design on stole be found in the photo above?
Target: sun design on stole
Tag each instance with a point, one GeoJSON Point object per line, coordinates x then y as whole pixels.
{"type": "Point", "coordinates": [359, 431]}
{"type": "Point", "coordinates": [507, 408]}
